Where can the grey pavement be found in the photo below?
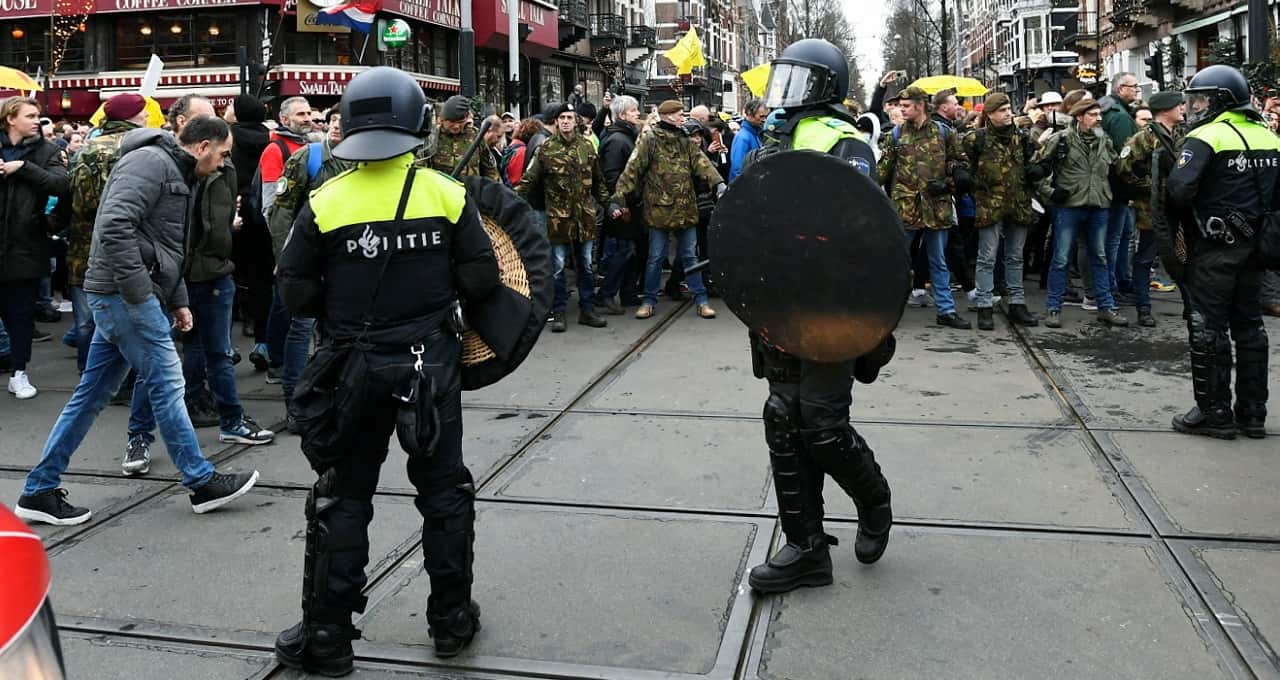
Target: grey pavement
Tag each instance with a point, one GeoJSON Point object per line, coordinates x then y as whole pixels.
{"type": "Point", "coordinates": [1049, 523]}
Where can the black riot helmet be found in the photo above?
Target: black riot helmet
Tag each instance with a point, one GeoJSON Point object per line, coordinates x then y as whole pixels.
{"type": "Point", "coordinates": [809, 72]}
{"type": "Point", "coordinates": [384, 114]}
{"type": "Point", "coordinates": [1214, 90]}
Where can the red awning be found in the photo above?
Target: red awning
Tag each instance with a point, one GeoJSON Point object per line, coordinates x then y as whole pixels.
{"type": "Point", "coordinates": [332, 80]}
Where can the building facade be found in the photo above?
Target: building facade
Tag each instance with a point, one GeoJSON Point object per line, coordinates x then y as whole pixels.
{"type": "Point", "coordinates": [1018, 46]}
{"type": "Point", "coordinates": [715, 84]}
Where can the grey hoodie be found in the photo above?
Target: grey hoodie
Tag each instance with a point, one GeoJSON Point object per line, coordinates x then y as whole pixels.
{"type": "Point", "coordinates": [139, 245]}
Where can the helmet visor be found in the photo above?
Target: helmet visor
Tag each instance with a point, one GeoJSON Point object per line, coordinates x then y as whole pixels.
{"type": "Point", "coordinates": [794, 85]}
{"type": "Point", "coordinates": [1199, 107]}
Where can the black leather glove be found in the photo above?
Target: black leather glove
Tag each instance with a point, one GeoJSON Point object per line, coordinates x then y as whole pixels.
{"type": "Point", "coordinates": [1036, 172]}
{"type": "Point", "coordinates": [938, 187]}
{"type": "Point", "coordinates": [867, 367]}
{"type": "Point", "coordinates": [963, 181]}
{"type": "Point", "coordinates": [1059, 196]}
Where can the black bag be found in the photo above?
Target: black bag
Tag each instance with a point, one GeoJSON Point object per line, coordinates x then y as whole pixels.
{"type": "Point", "coordinates": [433, 380]}
{"type": "Point", "coordinates": [328, 401]}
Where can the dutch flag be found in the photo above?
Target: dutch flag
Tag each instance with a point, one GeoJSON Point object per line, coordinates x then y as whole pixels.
{"type": "Point", "coordinates": [357, 15]}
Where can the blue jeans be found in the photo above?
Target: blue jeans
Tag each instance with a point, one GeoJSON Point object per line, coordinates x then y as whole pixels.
{"type": "Point", "coordinates": [4, 341]}
{"type": "Point", "coordinates": [1119, 234]}
{"type": "Point", "coordinates": [288, 342]}
{"type": "Point", "coordinates": [1092, 222]}
{"type": "Point", "coordinates": [586, 277]}
{"type": "Point", "coordinates": [126, 335]}
{"type": "Point", "coordinates": [934, 241]}
{"type": "Point", "coordinates": [1142, 263]}
{"type": "Point", "coordinates": [686, 251]}
{"type": "Point", "coordinates": [1015, 237]}
{"type": "Point", "coordinates": [614, 260]}
{"type": "Point", "coordinates": [83, 325]}
{"type": "Point", "coordinates": [206, 355]}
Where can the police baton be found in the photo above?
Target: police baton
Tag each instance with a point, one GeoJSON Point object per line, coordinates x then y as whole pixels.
{"type": "Point", "coordinates": [471, 150]}
{"type": "Point", "coordinates": [697, 267]}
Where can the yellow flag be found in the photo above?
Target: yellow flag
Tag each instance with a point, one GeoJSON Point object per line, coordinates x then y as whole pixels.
{"type": "Point", "coordinates": [687, 53]}
{"type": "Point", "coordinates": [756, 79]}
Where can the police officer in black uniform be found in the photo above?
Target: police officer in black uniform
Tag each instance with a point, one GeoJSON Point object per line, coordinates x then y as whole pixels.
{"type": "Point", "coordinates": [379, 256]}
{"type": "Point", "coordinates": [1226, 177]}
{"type": "Point", "coordinates": [806, 417]}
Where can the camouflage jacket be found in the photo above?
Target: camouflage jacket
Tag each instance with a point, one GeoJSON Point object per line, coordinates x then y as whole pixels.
{"type": "Point", "coordinates": [88, 177]}
{"type": "Point", "coordinates": [999, 160]}
{"type": "Point", "coordinates": [568, 171]}
{"type": "Point", "coordinates": [447, 149]}
{"type": "Point", "coordinates": [1134, 167]}
{"type": "Point", "coordinates": [918, 155]}
{"type": "Point", "coordinates": [295, 185]}
{"type": "Point", "coordinates": [664, 170]}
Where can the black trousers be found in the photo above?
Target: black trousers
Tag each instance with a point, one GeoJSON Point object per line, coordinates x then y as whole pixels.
{"type": "Point", "coordinates": [251, 253]}
{"type": "Point", "coordinates": [445, 495]}
{"type": "Point", "coordinates": [962, 252]}
{"type": "Point", "coordinates": [17, 312]}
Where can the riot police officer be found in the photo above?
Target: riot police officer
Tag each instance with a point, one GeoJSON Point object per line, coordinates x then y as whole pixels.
{"type": "Point", "coordinates": [806, 417]}
{"type": "Point", "coordinates": [1226, 178]}
{"type": "Point", "coordinates": [379, 256]}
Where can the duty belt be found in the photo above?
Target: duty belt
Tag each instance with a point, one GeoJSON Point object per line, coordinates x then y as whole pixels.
{"type": "Point", "coordinates": [1224, 229]}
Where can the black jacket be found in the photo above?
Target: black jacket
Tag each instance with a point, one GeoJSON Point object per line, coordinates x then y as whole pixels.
{"type": "Point", "coordinates": [24, 238]}
{"type": "Point", "coordinates": [211, 227]}
{"type": "Point", "coordinates": [619, 142]}
{"type": "Point", "coordinates": [248, 142]}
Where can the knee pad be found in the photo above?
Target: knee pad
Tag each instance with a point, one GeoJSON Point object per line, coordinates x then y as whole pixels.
{"type": "Point", "coordinates": [781, 431]}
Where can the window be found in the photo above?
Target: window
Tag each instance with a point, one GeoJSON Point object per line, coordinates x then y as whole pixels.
{"type": "Point", "coordinates": [181, 40]}
{"type": "Point", "coordinates": [24, 46]}
{"type": "Point", "coordinates": [552, 90]}
{"type": "Point", "coordinates": [1033, 32]}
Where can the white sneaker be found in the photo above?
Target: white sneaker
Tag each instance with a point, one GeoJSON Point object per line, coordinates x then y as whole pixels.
{"type": "Point", "coordinates": [1089, 305]}
{"type": "Point", "coordinates": [919, 298]}
{"type": "Point", "coordinates": [20, 386]}
{"type": "Point", "coordinates": [972, 295]}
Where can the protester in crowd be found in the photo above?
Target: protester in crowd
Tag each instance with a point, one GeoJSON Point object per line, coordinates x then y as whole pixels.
{"type": "Point", "coordinates": [251, 243]}
{"type": "Point", "coordinates": [1080, 189]}
{"type": "Point", "coordinates": [586, 113]}
{"type": "Point", "coordinates": [962, 240]}
{"type": "Point", "coordinates": [1119, 125]}
{"type": "Point", "coordinates": [513, 157]}
{"type": "Point", "coordinates": [918, 170]}
{"type": "Point", "coordinates": [664, 170]}
{"type": "Point", "coordinates": [1001, 156]}
{"type": "Point", "coordinates": [621, 266]}
{"type": "Point", "coordinates": [452, 135]}
{"type": "Point", "coordinates": [748, 137]}
{"type": "Point", "coordinates": [31, 171]}
{"type": "Point", "coordinates": [495, 141]}
{"type": "Point", "coordinates": [132, 295]}
{"type": "Point", "coordinates": [567, 171]}
{"type": "Point", "coordinates": [1143, 115]}
{"type": "Point", "coordinates": [509, 125]}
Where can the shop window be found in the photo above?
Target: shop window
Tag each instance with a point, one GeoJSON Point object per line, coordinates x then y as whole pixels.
{"type": "Point", "coordinates": [552, 89]}
{"type": "Point", "coordinates": [320, 48]}
{"type": "Point", "coordinates": [181, 40]}
{"type": "Point", "coordinates": [24, 45]}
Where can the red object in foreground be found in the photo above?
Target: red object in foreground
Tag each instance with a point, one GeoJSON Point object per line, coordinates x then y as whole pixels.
{"type": "Point", "coordinates": [29, 647]}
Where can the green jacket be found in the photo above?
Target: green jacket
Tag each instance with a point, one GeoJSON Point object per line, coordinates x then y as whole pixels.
{"type": "Point", "coordinates": [920, 154]}
{"type": "Point", "coordinates": [447, 149]}
{"type": "Point", "coordinates": [1117, 120]}
{"type": "Point", "coordinates": [1133, 167]}
{"type": "Point", "coordinates": [568, 173]}
{"type": "Point", "coordinates": [88, 177]}
{"type": "Point", "coordinates": [665, 169]}
{"type": "Point", "coordinates": [999, 160]}
{"type": "Point", "coordinates": [295, 185]}
{"type": "Point", "coordinates": [1085, 172]}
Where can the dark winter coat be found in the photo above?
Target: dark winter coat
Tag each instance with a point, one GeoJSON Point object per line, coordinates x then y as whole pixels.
{"type": "Point", "coordinates": [248, 142]}
{"type": "Point", "coordinates": [619, 142]}
{"type": "Point", "coordinates": [24, 236]}
{"type": "Point", "coordinates": [211, 227]}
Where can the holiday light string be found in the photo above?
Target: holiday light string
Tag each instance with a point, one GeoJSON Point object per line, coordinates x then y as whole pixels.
{"type": "Point", "coordinates": [69, 18]}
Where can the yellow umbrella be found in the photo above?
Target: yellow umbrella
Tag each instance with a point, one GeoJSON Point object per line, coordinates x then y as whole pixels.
{"type": "Point", "coordinates": [155, 115]}
{"type": "Point", "coordinates": [756, 79]}
{"type": "Point", "coordinates": [964, 87]}
{"type": "Point", "coordinates": [13, 79]}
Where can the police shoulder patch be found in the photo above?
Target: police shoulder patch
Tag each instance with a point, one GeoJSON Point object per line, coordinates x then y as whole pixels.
{"type": "Point", "coordinates": [1185, 157]}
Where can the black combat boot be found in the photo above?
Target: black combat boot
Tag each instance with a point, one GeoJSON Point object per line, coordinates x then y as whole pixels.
{"type": "Point", "coordinates": [320, 648]}
{"type": "Point", "coordinates": [794, 566]}
{"type": "Point", "coordinates": [874, 523]}
{"type": "Point", "coordinates": [1215, 421]}
{"type": "Point", "coordinates": [986, 319]}
{"type": "Point", "coordinates": [1211, 383]}
{"type": "Point", "coordinates": [1020, 315]}
{"type": "Point", "coordinates": [452, 630]}
{"type": "Point", "coordinates": [844, 454]}
{"type": "Point", "coordinates": [1251, 381]}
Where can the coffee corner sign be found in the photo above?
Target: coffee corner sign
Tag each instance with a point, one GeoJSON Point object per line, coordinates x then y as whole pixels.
{"type": "Point", "coordinates": [396, 33]}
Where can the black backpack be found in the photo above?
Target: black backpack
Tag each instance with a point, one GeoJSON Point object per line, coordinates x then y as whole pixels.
{"type": "Point", "coordinates": [251, 203]}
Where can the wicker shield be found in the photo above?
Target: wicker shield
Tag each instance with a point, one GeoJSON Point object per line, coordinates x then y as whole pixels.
{"type": "Point", "coordinates": [504, 328]}
{"type": "Point", "coordinates": [809, 253]}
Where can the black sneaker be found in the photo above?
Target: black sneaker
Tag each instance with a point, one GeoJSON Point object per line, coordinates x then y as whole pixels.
{"type": "Point", "coordinates": [47, 314]}
{"type": "Point", "coordinates": [1145, 319]}
{"type": "Point", "coordinates": [320, 648]}
{"type": "Point", "coordinates": [38, 335]}
{"type": "Point", "coordinates": [259, 357]}
{"type": "Point", "coordinates": [246, 432]}
{"type": "Point", "coordinates": [609, 306]}
{"type": "Point", "coordinates": [137, 457]}
{"type": "Point", "coordinates": [202, 412]}
{"type": "Point", "coordinates": [275, 375]}
{"type": "Point", "coordinates": [222, 489]}
{"type": "Point", "coordinates": [1054, 320]}
{"type": "Point", "coordinates": [558, 322]}
{"type": "Point", "coordinates": [51, 507]}
{"type": "Point", "coordinates": [953, 320]}
{"type": "Point", "coordinates": [452, 631]}
{"type": "Point", "coordinates": [588, 317]}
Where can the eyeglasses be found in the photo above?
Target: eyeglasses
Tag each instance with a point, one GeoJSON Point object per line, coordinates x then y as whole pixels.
{"type": "Point", "coordinates": [1133, 86]}
{"type": "Point", "coordinates": [317, 121]}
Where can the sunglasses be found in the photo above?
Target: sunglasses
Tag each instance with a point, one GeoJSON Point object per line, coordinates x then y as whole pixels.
{"type": "Point", "coordinates": [317, 121]}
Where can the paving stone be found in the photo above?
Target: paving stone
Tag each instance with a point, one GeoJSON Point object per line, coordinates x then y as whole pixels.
{"type": "Point", "coordinates": [1044, 477]}
{"type": "Point", "coordinates": [1129, 377]}
{"type": "Point", "coordinates": [99, 495]}
{"type": "Point", "coordinates": [25, 427]}
{"type": "Point", "coordinates": [167, 565]}
{"type": "Point", "coordinates": [102, 657]}
{"type": "Point", "coordinates": [982, 606]}
{"type": "Point", "coordinates": [579, 588]}
{"type": "Point", "coordinates": [489, 437]}
{"type": "Point", "coordinates": [648, 461]}
{"type": "Point", "coordinates": [562, 364]}
{"type": "Point", "coordinates": [1207, 485]}
{"type": "Point", "coordinates": [1251, 581]}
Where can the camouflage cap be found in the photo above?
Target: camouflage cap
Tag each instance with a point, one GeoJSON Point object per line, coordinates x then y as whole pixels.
{"type": "Point", "coordinates": [914, 94]}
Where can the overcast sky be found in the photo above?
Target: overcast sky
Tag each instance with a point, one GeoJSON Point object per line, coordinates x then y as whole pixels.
{"type": "Point", "coordinates": [868, 18]}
